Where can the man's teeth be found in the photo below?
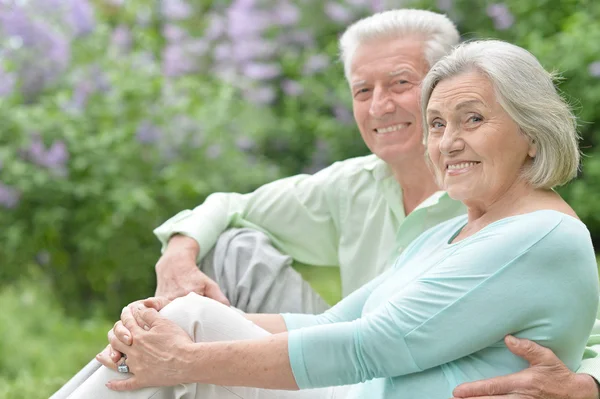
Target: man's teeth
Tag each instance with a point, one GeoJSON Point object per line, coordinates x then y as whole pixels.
{"type": "Point", "coordinates": [391, 128]}
{"type": "Point", "coordinates": [463, 165]}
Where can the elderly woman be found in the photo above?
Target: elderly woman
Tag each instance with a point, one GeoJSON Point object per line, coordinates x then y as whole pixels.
{"type": "Point", "coordinates": [499, 138]}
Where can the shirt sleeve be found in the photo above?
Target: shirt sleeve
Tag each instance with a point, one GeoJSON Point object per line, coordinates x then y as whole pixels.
{"type": "Point", "coordinates": [501, 282]}
{"type": "Point", "coordinates": [299, 214]}
{"type": "Point", "coordinates": [350, 308]}
{"type": "Point", "coordinates": [591, 359]}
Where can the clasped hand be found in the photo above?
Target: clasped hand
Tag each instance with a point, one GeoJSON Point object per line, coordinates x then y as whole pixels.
{"type": "Point", "coordinates": [156, 348]}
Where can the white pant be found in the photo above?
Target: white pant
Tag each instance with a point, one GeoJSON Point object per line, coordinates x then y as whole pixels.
{"type": "Point", "coordinates": [204, 320]}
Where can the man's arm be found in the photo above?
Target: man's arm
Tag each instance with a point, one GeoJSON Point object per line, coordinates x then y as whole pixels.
{"type": "Point", "coordinates": [299, 214]}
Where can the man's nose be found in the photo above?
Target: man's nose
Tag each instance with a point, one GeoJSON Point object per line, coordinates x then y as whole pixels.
{"type": "Point", "coordinates": [382, 103]}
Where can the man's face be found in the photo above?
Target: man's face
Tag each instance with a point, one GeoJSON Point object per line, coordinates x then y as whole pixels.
{"type": "Point", "coordinates": [385, 78]}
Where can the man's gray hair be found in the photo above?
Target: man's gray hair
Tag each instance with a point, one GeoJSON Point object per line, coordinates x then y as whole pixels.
{"type": "Point", "coordinates": [527, 93]}
{"type": "Point", "coordinates": [438, 32]}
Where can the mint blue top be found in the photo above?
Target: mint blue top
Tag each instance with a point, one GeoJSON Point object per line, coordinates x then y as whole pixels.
{"type": "Point", "coordinates": [439, 316]}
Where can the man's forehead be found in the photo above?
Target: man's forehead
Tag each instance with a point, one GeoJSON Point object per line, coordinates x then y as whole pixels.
{"type": "Point", "coordinates": [402, 71]}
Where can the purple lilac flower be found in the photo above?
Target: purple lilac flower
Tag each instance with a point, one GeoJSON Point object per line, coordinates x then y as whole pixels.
{"type": "Point", "coordinates": [445, 5]}
{"type": "Point", "coordinates": [261, 71]}
{"type": "Point", "coordinates": [594, 69]}
{"type": "Point", "coordinates": [9, 197]}
{"type": "Point", "coordinates": [7, 83]}
{"type": "Point", "coordinates": [286, 14]}
{"type": "Point", "coordinates": [222, 52]}
{"type": "Point", "coordinates": [54, 158]}
{"type": "Point", "coordinates": [245, 23]}
{"type": "Point", "coordinates": [216, 27]}
{"type": "Point", "coordinates": [121, 39]}
{"type": "Point", "coordinates": [378, 5]}
{"type": "Point", "coordinates": [81, 17]}
{"type": "Point", "coordinates": [292, 88]}
{"type": "Point", "coordinates": [304, 38]}
{"type": "Point", "coordinates": [260, 95]}
{"type": "Point", "coordinates": [177, 61]}
{"type": "Point", "coordinates": [43, 257]}
{"type": "Point", "coordinates": [214, 151]}
{"type": "Point", "coordinates": [173, 33]}
{"type": "Point", "coordinates": [315, 63]}
{"type": "Point", "coordinates": [338, 13]}
{"type": "Point", "coordinates": [81, 94]}
{"type": "Point", "coordinates": [147, 133]}
{"type": "Point", "coordinates": [320, 157]}
{"type": "Point", "coordinates": [45, 52]}
{"type": "Point", "coordinates": [245, 143]}
{"type": "Point", "coordinates": [501, 15]}
{"type": "Point", "coordinates": [343, 115]}
{"type": "Point", "coordinates": [175, 9]}
{"type": "Point", "coordinates": [252, 48]}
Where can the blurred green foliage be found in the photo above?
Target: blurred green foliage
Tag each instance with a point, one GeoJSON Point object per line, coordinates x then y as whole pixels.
{"type": "Point", "coordinates": [42, 347]}
{"type": "Point", "coordinates": [147, 118]}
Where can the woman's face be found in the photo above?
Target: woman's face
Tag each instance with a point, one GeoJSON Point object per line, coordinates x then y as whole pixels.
{"type": "Point", "coordinates": [477, 150]}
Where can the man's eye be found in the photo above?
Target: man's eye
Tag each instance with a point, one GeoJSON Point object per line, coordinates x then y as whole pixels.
{"type": "Point", "coordinates": [361, 91]}
{"type": "Point", "coordinates": [402, 81]}
{"type": "Point", "coordinates": [475, 119]}
{"type": "Point", "coordinates": [436, 125]}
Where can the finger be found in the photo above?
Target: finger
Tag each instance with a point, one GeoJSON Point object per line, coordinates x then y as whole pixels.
{"type": "Point", "coordinates": [128, 384]}
{"type": "Point", "coordinates": [129, 321]}
{"type": "Point", "coordinates": [213, 291]}
{"type": "Point", "coordinates": [157, 302]}
{"type": "Point", "coordinates": [105, 359]}
{"type": "Point", "coordinates": [147, 316]}
{"type": "Point", "coordinates": [122, 333]}
{"type": "Point", "coordinates": [495, 386]}
{"type": "Point", "coordinates": [532, 352]}
{"type": "Point", "coordinates": [116, 344]}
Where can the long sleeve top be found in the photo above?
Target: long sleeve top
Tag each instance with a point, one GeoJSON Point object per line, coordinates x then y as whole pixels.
{"type": "Point", "coordinates": [439, 316]}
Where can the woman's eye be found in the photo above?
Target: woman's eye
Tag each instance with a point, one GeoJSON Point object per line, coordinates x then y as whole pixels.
{"type": "Point", "coordinates": [436, 125]}
{"type": "Point", "coordinates": [401, 81]}
{"type": "Point", "coordinates": [475, 118]}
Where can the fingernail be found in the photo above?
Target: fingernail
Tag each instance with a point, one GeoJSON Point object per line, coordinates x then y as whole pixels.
{"type": "Point", "coordinates": [126, 338]}
{"type": "Point", "coordinates": [513, 341]}
{"type": "Point", "coordinates": [146, 327]}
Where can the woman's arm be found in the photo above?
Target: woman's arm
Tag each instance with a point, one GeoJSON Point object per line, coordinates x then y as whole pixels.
{"type": "Point", "coordinates": [272, 323]}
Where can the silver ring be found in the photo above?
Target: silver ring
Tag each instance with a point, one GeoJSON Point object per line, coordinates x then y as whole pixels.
{"type": "Point", "coordinates": [122, 367]}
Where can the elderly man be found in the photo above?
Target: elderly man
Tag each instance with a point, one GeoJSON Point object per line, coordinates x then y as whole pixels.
{"type": "Point", "coordinates": [358, 214]}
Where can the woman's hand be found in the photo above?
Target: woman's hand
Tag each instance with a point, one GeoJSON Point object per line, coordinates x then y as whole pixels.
{"type": "Point", "coordinates": [123, 333]}
{"type": "Point", "coordinates": [157, 355]}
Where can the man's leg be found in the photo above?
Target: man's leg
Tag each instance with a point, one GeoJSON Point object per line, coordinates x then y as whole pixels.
{"type": "Point", "coordinates": [204, 320]}
{"type": "Point", "coordinates": [256, 277]}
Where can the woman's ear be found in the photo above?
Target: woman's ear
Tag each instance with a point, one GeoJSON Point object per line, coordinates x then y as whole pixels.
{"type": "Point", "coordinates": [532, 152]}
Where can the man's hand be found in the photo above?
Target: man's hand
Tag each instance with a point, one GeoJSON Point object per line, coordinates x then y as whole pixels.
{"type": "Point", "coordinates": [177, 274]}
{"type": "Point", "coordinates": [546, 378]}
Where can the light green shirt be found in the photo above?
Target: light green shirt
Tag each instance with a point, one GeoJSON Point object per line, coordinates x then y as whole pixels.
{"type": "Point", "coordinates": [349, 215]}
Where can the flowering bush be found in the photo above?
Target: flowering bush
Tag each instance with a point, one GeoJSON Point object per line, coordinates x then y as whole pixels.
{"type": "Point", "coordinates": [116, 114]}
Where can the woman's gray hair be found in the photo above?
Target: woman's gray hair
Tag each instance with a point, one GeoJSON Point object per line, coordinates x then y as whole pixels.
{"type": "Point", "coordinates": [527, 93]}
{"type": "Point", "coordinates": [438, 32]}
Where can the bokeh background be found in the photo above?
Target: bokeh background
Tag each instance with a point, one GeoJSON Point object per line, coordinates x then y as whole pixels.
{"type": "Point", "coordinates": [116, 114]}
